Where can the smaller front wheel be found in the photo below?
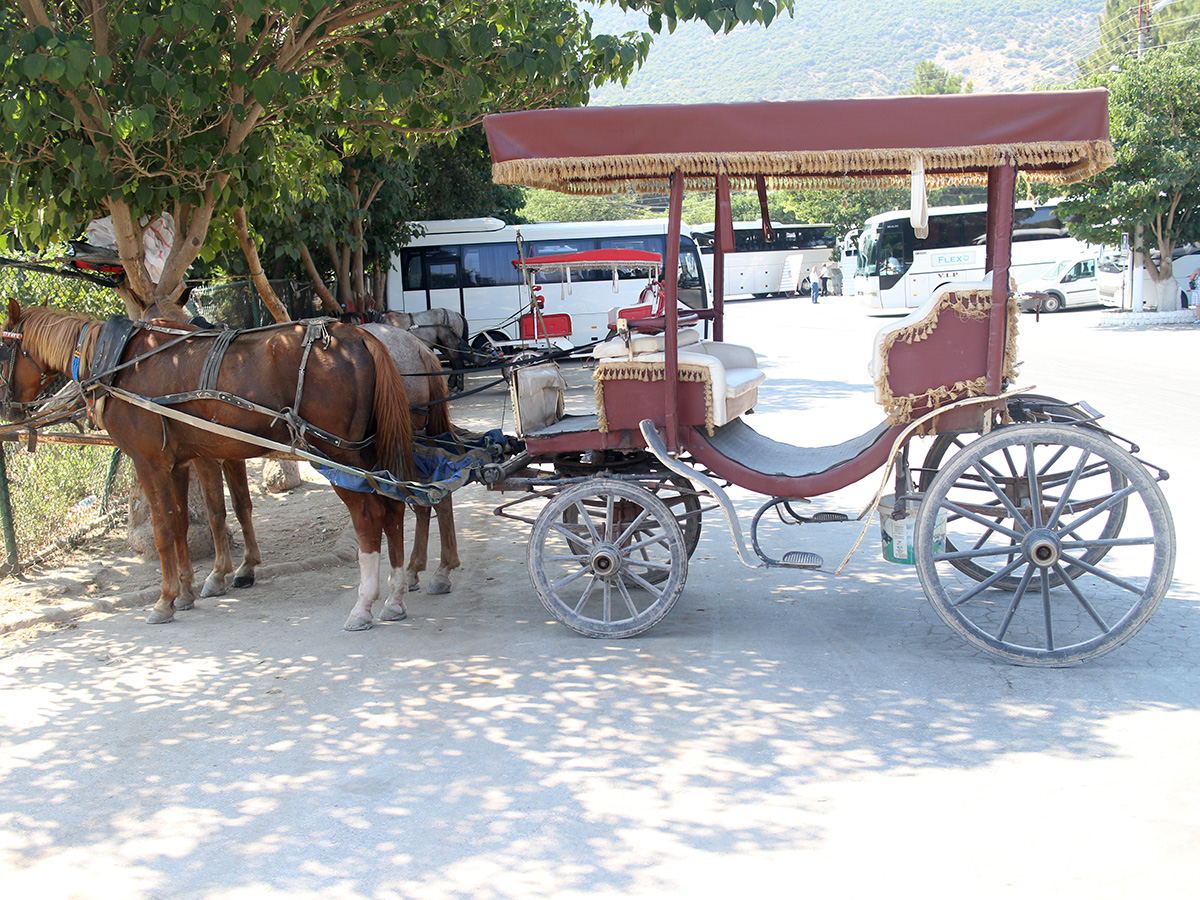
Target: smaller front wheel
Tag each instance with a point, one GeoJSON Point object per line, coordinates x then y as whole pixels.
{"type": "Point", "coordinates": [607, 558]}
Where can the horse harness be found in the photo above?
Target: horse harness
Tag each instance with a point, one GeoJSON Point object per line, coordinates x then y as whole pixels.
{"type": "Point", "coordinates": [117, 331]}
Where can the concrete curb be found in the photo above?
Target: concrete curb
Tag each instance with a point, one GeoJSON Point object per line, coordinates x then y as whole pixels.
{"type": "Point", "coordinates": [1121, 319]}
{"type": "Point", "coordinates": [345, 551]}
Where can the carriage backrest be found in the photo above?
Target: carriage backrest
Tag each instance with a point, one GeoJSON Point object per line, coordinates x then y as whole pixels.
{"type": "Point", "coordinates": [939, 353]}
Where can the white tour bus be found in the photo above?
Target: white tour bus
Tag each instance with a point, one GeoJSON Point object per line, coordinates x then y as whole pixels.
{"type": "Point", "coordinates": [467, 265]}
{"type": "Point", "coordinates": [897, 271]}
{"type": "Point", "coordinates": [758, 268]}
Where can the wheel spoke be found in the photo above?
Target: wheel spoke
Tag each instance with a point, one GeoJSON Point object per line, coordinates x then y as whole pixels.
{"type": "Point", "coordinates": [1099, 573]}
{"type": "Point", "coordinates": [633, 528]}
{"type": "Point", "coordinates": [1003, 498]}
{"type": "Point", "coordinates": [1015, 602]}
{"type": "Point", "coordinates": [1047, 616]}
{"type": "Point", "coordinates": [980, 520]}
{"type": "Point", "coordinates": [1035, 491]}
{"type": "Point", "coordinates": [587, 592]}
{"type": "Point", "coordinates": [986, 583]}
{"type": "Point", "coordinates": [1052, 521]}
{"type": "Point", "coordinates": [1083, 601]}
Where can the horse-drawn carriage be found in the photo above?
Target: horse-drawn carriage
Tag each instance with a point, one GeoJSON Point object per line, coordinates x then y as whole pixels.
{"type": "Point", "coordinates": [1036, 535]}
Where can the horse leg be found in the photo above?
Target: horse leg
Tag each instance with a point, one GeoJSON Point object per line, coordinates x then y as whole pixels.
{"type": "Point", "coordinates": [440, 582]}
{"type": "Point", "coordinates": [159, 495]}
{"type": "Point", "coordinates": [180, 476]}
{"type": "Point", "coordinates": [239, 492]}
{"type": "Point", "coordinates": [393, 525]}
{"type": "Point", "coordinates": [208, 473]}
{"type": "Point", "coordinates": [419, 558]}
{"type": "Point", "coordinates": [366, 514]}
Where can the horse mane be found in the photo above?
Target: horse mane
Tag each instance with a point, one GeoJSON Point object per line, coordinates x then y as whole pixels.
{"type": "Point", "coordinates": [53, 334]}
{"type": "Point", "coordinates": [393, 426]}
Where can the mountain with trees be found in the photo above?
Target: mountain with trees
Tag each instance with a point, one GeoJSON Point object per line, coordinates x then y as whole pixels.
{"type": "Point", "coordinates": [835, 48]}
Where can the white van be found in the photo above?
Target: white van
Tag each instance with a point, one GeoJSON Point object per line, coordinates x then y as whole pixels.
{"type": "Point", "coordinates": [1071, 282]}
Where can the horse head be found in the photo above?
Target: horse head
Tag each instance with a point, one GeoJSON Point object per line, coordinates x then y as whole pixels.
{"type": "Point", "coordinates": [23, 375]}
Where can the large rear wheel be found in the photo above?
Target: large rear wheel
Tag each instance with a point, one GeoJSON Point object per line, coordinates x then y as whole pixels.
{"type": "Point", "coordinates": [1034, 506]}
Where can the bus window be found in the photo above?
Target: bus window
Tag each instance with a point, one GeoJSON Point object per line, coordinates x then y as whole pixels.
{"type": "Point", "coordinates": [412, 270]}
{"type": "Point", "coordinates": [443, 268]}
{"type": "Point", "coordinates": [489, 265]}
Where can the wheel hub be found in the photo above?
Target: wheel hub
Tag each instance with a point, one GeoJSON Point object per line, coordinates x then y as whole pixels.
{"type": "Point", "coordinates": [1042, 548]}
{"type": "Point", "coordinates": [605, 561]}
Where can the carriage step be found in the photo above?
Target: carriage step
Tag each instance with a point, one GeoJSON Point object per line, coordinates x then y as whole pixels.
{"type": "Point", "coordinates": [801, 559]}
{"type": "Point", "coordinates": [828, 517]}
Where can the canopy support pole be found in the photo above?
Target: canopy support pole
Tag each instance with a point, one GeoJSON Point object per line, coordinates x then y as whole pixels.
{"type": "Point", "coordinates": [722, 244]}
{"type": "Point", "coordinates": [1002, 182]}
{"type": "Point", "coordinates": [671, 311]}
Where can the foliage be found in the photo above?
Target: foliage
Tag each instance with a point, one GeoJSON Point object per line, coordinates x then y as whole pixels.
{"type": "Point", "coordinates": [1125, 26]}
{"type": "Point", "coordinates": [1155, 181]}
{"type": "Point", "coordinates": [930, 78]}
{"type": "Point", "coordinates": [149, 105]}
{"type": "Point", "coordinates": [551, 206]}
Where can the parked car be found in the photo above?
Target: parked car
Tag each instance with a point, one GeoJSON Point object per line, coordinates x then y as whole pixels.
{"type": "Point", "coordinates": [1112, 272]}
{"type": "Point", "coordinates": [1071, 282]}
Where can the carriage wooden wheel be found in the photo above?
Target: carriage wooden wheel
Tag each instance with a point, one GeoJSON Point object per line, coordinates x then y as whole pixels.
{"type": "Point", "coordinates": [1033, 505]}
{"type": "Point", "coordinates": [607, 558]}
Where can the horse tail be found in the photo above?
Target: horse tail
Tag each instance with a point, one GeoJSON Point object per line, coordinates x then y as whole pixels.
{"type": "Point", "coordinates": [465, 330]}
{"type": "Point", "coordinates": [438, 411]}
{"type": "Point", "coordinates": [393, 427]}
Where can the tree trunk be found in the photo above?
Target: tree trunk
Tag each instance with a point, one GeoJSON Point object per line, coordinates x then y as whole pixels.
{"type": "Point", "coordinates": [257, 276]}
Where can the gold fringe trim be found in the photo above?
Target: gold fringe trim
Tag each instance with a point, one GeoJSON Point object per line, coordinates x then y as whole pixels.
{"type": "Point", "coordinates": [971, 305]}
{"type": "Point", "coordinates": [625, 370]}
{"type": "Point", "coordinates": [1058, 162]}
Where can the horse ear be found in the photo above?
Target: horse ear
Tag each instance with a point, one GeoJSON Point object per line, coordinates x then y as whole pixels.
{"type": "Point", "coordinates": [14, 309]}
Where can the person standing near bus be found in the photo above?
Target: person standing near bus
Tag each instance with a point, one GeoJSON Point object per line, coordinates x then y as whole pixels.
{"type": "Point", "coordinates": [825, 278]}
{"type": "Point", "coordinates": [1194, 295]}
{"type": "Point", "coordinates": [814, 280]}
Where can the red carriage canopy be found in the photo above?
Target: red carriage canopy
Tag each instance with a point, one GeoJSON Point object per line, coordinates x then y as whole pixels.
{"type": "Point", "coordinates": [1058, 136]}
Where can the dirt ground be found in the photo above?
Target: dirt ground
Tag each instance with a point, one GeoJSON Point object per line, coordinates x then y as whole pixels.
{"type": "Point", "coordinates": [306, 522]}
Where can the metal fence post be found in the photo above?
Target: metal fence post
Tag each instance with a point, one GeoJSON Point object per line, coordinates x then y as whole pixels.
{"type": "Point", "coordinates": [13, 564]}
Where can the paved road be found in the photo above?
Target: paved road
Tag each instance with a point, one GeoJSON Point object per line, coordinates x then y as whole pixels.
{"type": "Point", "coordinates": [776, 734]}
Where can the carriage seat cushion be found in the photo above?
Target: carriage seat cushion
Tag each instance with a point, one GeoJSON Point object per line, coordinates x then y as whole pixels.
{"type": "Point", "coordinates": [614, 348]}
{"type": "Point", "coordinates": [732, 374]}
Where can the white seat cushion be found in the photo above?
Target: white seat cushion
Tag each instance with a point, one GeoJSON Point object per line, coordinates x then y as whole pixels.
{"type": "Point", "coordinates": [614, 348]}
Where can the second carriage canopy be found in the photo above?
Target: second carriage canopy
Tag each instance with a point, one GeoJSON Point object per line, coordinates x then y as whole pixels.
{"type": "Point", "coordinates": [1059, 136]}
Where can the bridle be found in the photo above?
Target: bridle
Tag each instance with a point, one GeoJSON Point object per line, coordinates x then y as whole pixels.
{"type": "Point", "coordinates": [10, 348]}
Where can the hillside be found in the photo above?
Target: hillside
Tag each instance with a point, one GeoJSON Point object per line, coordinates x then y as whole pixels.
{"type": "Point", "coordinates": [852, 48]}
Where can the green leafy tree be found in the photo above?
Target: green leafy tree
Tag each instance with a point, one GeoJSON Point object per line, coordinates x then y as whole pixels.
{"type": "Point", "coordinates": [1154, 185]}
{"type": "Point", "coordinates": [132, 108]}
{"type": "Point", "coordinates": [930, 78]}
{"type": "Point", "coordinates": [1128, 27]}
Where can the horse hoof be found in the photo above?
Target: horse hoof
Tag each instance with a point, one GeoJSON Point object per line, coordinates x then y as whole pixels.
{"type": "Point", "coordinates": [393, 615]}
{"type": "Point", "coordinates": [358, 623]}
{"type": "Point", "coordinates": [158, 617]}
{"type": "Point", "coordinates": [438, 585]}
{"type": "Point", "coordinates": [244, 581]}
{"type": "Point", "coordinates": [185, 605]}
{"type": "Point", "coordinates": [209, 590]}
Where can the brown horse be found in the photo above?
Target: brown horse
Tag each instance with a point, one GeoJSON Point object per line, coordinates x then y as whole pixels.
{"type": "Point", "coordinates": [328, 386]}
{"type": "Point", "coordinates": [427, 395]}
{"type": "Point", "coordinates": [209, 474]}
